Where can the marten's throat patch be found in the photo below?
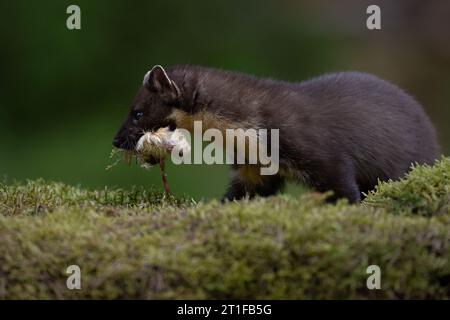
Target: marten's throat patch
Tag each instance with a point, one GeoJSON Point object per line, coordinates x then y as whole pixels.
{"type": "Point", "coordinates": [209, 120]}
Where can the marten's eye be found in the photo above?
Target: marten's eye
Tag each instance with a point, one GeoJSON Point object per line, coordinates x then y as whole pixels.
{"type": "Point", "coordinates": [137, 116]}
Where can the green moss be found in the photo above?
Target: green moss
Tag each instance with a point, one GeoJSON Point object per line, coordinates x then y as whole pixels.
{"type": "Point", "coordinates": [137, 244]}
{"type": "Point", "coordinates": [424, 191]}
{"type": "Point", "coordinates": [41, 196]}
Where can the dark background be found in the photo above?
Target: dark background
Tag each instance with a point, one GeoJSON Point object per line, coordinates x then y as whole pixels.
{"type": "Point", "coordinates": [64, 93]}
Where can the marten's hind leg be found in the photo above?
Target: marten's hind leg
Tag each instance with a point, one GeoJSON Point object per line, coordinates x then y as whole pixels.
{"type": "Point", "coordinates": [341, 180]}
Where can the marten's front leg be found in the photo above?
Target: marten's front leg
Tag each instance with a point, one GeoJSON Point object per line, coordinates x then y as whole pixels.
{"type": "Point", "coordinates": [247, 181]}
{"type": "Point", "coordinates": [236, 190]}
{"type": "Point", "coordinates": [271, 185]}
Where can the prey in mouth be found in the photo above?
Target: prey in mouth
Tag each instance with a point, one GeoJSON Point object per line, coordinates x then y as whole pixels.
{"type": "Point", "coordinates": [153, 148]}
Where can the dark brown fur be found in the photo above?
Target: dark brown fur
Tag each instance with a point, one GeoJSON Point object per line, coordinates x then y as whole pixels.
{"type": "Point", "coordinates": [339, 132]}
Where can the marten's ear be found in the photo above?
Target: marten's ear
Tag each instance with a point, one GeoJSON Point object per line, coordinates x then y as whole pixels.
{"type": "Point", "coordinates": [157, 80]}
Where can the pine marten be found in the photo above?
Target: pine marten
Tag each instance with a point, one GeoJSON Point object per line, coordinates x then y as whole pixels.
{"type": "Point", "coordinates": [340, 132]}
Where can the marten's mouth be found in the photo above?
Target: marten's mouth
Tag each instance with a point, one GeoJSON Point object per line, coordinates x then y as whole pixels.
{"type": "Point", "coordinates": [126, 147]}
{"type": "Point", "coordinates": [126, 144]}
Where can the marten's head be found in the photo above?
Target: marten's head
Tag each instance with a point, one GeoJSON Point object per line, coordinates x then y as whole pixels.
{"type": "Point", "coordinates": [150, 109]}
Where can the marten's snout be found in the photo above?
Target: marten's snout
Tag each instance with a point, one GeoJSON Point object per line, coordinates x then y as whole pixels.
{"type": "Point", "coordinates": [117, 142]}
{"type": "Point", "coordinates": [126, 143]}
{"type": "Point", "coordinates": [125, 140]}
{"type": "Point", "coordinates": [127, 136]}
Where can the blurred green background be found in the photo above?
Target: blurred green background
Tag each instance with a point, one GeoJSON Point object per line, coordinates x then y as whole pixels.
{"type": "Point", "coordinates": [64, 93]}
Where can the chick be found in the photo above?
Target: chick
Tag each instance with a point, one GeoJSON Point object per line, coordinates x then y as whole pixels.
{"type": "Point", "coordinates": [153, 147]}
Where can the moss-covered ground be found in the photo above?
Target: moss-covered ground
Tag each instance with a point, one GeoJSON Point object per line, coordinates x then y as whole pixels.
{"type": "Point", "coordinates": [139, 244]}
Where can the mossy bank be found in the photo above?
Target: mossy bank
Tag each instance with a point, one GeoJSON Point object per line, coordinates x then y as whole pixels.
{"type": "Point", "coordinates": [137, 244]}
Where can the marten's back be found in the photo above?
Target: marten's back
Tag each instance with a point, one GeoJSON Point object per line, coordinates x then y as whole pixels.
{"type": "Point", "coordinates": [359, 117]}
